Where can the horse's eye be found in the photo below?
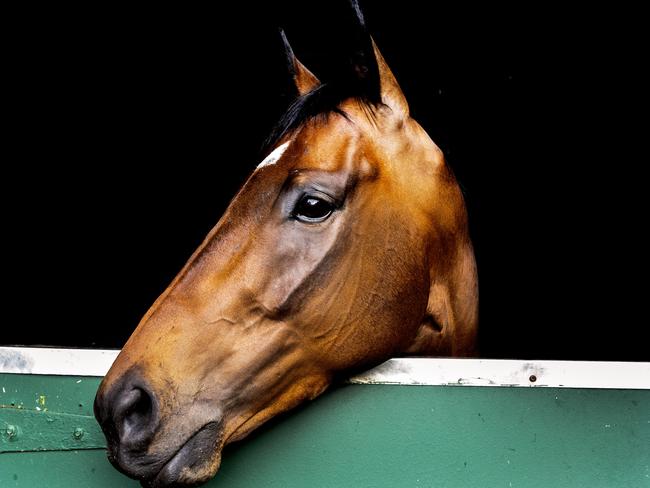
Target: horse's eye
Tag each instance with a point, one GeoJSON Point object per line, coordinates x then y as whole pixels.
{"type": "Point", "coordinates": [312, 209]}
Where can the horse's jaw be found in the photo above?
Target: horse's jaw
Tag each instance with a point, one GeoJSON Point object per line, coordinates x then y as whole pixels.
{"type": "Point", "coordinates": [196, 462]}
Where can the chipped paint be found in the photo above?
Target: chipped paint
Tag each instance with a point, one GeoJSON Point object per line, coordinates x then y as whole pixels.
{"type": "Point", "coordinates": [14, 358]}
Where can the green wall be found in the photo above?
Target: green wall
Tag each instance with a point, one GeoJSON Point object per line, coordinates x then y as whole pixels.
{"type": "Point", "coordinates": [362, 436]}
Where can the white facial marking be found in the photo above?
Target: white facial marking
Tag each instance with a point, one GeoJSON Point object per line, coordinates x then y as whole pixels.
{"type": "Point", "coordinates": [274, 156]}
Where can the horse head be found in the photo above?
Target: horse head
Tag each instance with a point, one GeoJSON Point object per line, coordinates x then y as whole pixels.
{"type": "Point", "coordinates": [347, 245]}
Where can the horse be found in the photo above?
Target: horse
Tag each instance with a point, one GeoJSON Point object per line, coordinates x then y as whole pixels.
{"type": "Point", "coordinates": [347, 245]}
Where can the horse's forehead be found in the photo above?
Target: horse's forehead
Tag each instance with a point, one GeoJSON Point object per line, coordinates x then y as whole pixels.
{"type": "Point", "coordinates": [338, 141]}
{"type": "Point", "coordinates": [326, 146]}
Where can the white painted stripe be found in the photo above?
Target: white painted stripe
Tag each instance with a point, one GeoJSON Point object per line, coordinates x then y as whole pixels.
{"type": "Point", "coordinates": [275, 155]}
{"type": "Point", "coordinates": [398, 371]}
{"type": "Point", "coordinates": [501, 372]}
{"type": "Point", "coordinates": [67, 362]}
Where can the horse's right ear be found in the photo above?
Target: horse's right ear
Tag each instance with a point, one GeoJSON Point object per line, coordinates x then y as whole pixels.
{"type": "Point", "coordinates": [303, 79]}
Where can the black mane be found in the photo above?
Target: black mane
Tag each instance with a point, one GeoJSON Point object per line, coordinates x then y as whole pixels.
{"type": "Point", "coordinates": [357, 77]}
{"type": "Point", "coordinates": [319, 103]}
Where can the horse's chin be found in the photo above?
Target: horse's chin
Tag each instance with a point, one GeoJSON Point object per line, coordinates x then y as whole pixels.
{"type": "Point", "coordinates": [195, 463]}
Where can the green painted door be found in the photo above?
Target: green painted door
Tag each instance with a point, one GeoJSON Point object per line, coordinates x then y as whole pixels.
{"type": "Point", "coordinates": [360, 436]}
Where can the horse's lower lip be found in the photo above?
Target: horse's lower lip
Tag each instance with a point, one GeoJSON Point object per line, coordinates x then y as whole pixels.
{"type": "Point", "coordinates": [202, 445]}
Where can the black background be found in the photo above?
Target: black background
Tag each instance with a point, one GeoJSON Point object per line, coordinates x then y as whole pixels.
{"type": "Point", "coordinates": [129, 130]}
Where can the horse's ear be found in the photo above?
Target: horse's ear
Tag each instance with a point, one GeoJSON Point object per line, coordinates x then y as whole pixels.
{"type": "Point", "coordinates": [391, 93]}
{"type": "Point", "coordinates": [303, 79]}
{"type": "Point", "coordinates": [374, 78]}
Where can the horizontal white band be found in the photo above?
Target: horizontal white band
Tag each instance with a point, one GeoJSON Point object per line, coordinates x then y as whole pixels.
{"type": "Point", "coordinates": [506, 372]}
{"type": "Point", "coordinates": [398, 371]}
{"type": "Point", "coordinates": [65, 362]}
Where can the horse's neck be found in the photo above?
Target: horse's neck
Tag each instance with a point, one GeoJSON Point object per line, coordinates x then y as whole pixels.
{"type": "Point", "coordinates": [450, 325]}
{"type": "Point", "coordinates": [464, 304]}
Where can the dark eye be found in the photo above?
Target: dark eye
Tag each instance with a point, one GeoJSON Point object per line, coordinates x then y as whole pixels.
{"type": "Point", "coordinates": [312, 209]}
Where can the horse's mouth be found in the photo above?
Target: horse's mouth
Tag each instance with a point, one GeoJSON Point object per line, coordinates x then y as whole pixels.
{"type": "Point", "coordinates": [194, 463]}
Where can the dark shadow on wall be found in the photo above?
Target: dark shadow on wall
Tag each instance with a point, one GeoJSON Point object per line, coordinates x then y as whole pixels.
{"type": "Point", "coordinates": [130, 131]}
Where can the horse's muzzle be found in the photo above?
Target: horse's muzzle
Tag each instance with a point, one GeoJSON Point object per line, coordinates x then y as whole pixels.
{"type": "Point", "coordinates": [129, 414]}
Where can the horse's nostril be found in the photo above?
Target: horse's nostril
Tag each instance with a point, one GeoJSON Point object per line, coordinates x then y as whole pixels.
{"type": "Point", "coordinates": [128, 413]}
{"type": "Point", "coordinates": [136, 413]}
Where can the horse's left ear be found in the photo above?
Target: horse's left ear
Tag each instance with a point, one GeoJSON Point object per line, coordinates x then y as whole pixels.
{"type": "Point", "coordinates": [374, 79]}
{"type": "Point", "coordinates": [303, 79]}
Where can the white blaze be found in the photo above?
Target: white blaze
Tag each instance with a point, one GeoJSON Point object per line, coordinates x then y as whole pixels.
{"type": "Point", "coordinates": [274, 156]}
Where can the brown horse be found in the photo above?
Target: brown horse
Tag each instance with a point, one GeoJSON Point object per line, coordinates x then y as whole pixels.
{"type": "Point", "coordinates": [347, 245]}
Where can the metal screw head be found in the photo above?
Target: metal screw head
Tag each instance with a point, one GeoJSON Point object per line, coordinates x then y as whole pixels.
{"type": "Point", "coordinates": [78, 433]}
{"type": "Point", "coordinates": [11, 431]}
